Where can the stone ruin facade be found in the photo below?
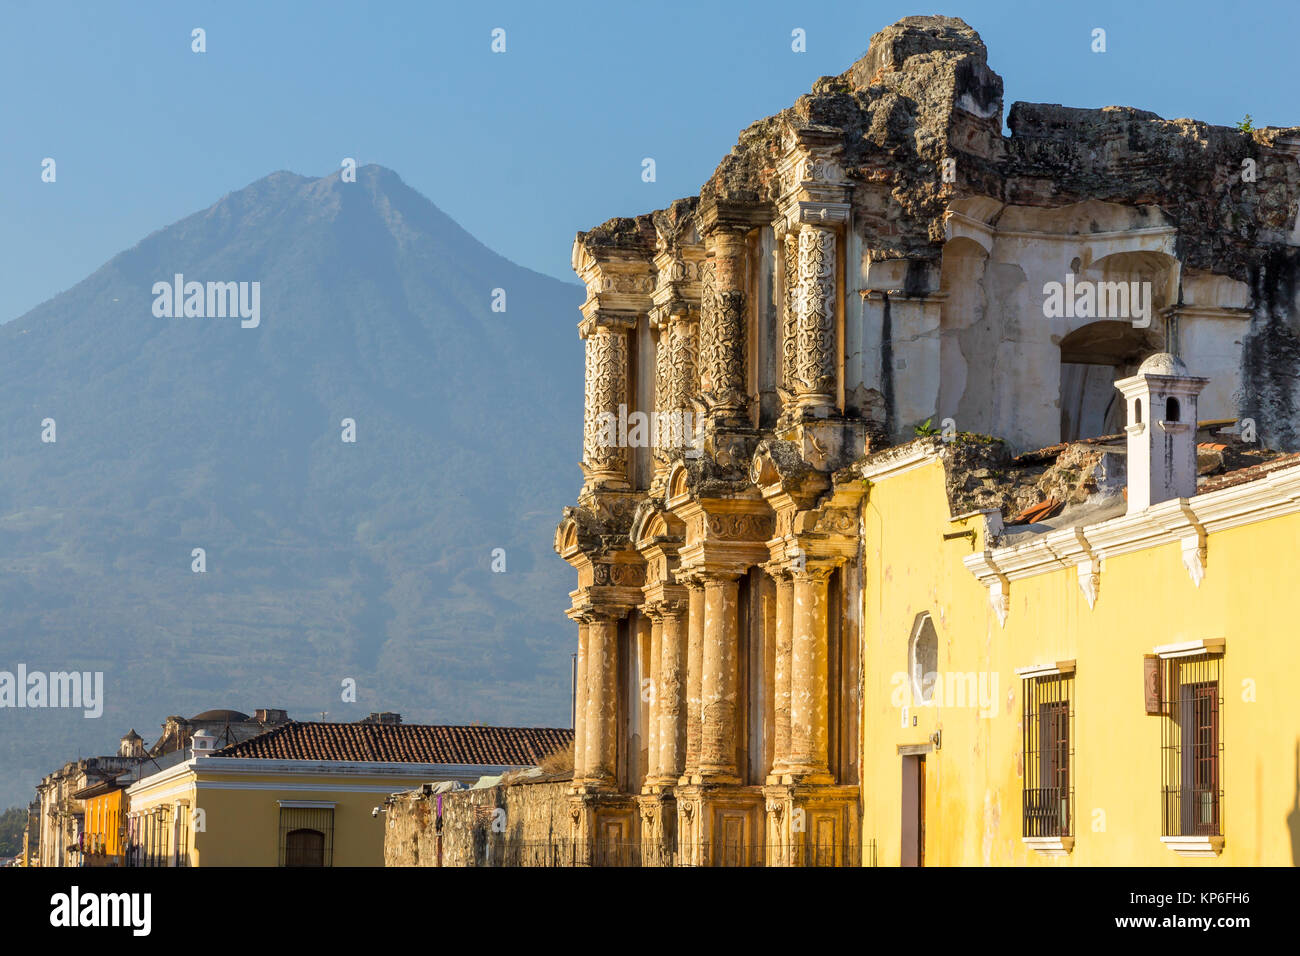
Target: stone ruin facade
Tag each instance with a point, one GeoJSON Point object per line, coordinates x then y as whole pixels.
{"type": "Point", "coordinates": [875, 257]}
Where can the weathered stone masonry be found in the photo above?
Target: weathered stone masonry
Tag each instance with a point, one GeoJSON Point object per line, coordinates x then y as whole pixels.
{"type": "Point", "coordinates": [872, 257]}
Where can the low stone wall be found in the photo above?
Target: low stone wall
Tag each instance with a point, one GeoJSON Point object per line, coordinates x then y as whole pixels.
{"type": "Point", "coordinates": [524, 823]}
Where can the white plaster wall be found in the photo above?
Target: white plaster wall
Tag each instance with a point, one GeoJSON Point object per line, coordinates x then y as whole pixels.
{"type": "Point", "coordinates": [915, 326]}
{"type": "Point", "coordinates": [1211, 348]}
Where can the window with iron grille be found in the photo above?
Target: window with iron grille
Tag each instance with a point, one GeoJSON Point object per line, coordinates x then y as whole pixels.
{"type": "Point", "coordinates": [306, 836]}
{"type": "Point", "coordinates": [1192, 749]}
{"type": "Point", "coordinates": [1049, 756]}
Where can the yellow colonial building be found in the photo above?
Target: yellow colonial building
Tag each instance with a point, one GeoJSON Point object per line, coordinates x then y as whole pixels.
{"type": "Point", "coordinates": [305, 794]}
{"type": "Point", "coordinates": [1110, 681]}
{"type": "Point", "coordinates": [103, 833]}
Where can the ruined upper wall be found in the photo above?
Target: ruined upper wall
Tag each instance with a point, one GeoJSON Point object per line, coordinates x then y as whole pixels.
{"type": "Point", "coordinates": [924, 93]}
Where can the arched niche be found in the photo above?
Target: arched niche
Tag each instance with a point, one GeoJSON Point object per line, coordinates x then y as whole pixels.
{"type": "Point", "coordinates": [1093, 357]}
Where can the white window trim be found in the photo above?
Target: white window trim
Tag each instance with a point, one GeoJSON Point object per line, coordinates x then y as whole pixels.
{"type": "Point", "coordinates": [307, 804]}
{"type": "Point", "coordinates": [1050, 846]}
{"type": "Point", "coordinates": [1209, 645]}
{"type": "Point", "coordinates": [1046, 670]}
{"type": "Point", "coordinates": [1194, 846]}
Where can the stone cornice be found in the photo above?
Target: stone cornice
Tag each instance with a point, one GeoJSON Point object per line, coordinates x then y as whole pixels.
{"type": "Point", "coordinates": [722, 215]}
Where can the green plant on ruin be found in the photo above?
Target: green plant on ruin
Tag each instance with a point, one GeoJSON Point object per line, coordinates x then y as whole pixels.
{"type": "Point", "coordinates": [1246, 125]}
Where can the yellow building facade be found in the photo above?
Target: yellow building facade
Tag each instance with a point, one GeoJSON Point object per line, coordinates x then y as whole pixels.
{"type": "Point", "coordinates": [1120, 692]}
{"type": "Point", "coordinates": [104, 824]}
{"type": "Point", "coordinates": [308, 794]}
{"type": "Point", "coordinates": [280, 816]}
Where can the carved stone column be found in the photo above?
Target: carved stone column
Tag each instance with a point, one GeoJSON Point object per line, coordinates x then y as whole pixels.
{"type": "Point", "coordinates": [652, 772]}
{"type": "Point", "coordinates": [683, 371]}
{"type": "Point", "coordinates": [782, 669]}
{"type": "Point", "coordinates": [600, 732]}
{"type": "Point", "coordinates": [580, 694]}
{"type": "Point", "coordinates": [815, 352]}
{"type": "Point", "coordinates": [605, 464]}
{"type": "Point", "coordinates": [672, 710]}
{"type": "Point", "coordinates": [694, 670]}
{"type": "Point", "coordinates": [790, 314]}
{"type": "Point", "coordinates": [718, 678]}
{"type": "Point", "coordinates": [723, 328]}
{"type": "Point", "coordinates": [809, 760]}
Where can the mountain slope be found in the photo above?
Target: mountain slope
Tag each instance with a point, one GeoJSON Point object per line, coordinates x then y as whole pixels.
{"type": "Point", "coordinates": [326, 560]}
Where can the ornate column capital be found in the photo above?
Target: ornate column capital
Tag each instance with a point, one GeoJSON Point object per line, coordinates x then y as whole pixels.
{"type": "Point", "coordinates": [813, 572]}
{"type": "Point", "coordinates": [602, 613]}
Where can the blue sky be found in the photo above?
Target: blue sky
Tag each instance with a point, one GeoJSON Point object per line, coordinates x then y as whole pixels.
{"type": "Point", "coordinates": [522, 148]}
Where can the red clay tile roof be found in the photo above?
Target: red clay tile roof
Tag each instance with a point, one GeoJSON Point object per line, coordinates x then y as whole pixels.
{"type": "Point", "coordinates": [1243, 475]}
{"type": "Point", "coordinates": [1040, 511]}
{"type": "Point", "coordinates": [403, 743]}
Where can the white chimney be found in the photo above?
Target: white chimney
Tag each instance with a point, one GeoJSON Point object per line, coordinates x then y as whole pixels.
{"type": "Point", "coordinates": [1161, 429]}
{"type": "Point", "coordinates": [203, 743]}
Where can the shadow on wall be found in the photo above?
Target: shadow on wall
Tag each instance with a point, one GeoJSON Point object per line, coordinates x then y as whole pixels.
{"type": "Point", "coordinates": [1293, 818]}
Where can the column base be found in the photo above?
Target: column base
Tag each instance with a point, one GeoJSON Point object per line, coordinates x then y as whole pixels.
{"type": "Point", "coordinates": [604, 829]}
{"type": "Point", "coordinates": [658, 812]}
{"type": "Point", "coordinates": [789, 776]}
{"type": "Point", "coordinates": [719, 826]}
{"type": "Point", "coordinates": [715, 778]}
{"type": "Point", "coordinates": [812, 825]}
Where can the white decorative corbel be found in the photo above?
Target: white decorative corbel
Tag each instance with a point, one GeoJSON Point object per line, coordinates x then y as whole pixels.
{"type": "Point", "coordinates": [999, 600]}
{"type": "Point", "coordinates": [1089, 579]}
{"type": "Point", "coordinates": [1194, 559]}
{"type": "Point", "coordinates": [990, 575]}
{"type": "Point", "coordinates": [1194, 545]}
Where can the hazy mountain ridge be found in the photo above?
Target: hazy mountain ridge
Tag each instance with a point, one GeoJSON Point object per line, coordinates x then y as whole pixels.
{"type": "Point", "coordinates": [325, 560]}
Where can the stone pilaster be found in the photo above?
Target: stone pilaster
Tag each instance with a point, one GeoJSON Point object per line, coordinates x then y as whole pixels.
{"type": "Point", "coordinates": [672, 710]}
{"type": "Point", "coordinates": [580, 695]}
{"type": "Point", "coordinates": [601, 732]}
{"type": "Point", "coordinates": [694, 673]}
{"type": "Point", "coordinates": [655, 693]}
{"type": "Point", "coordinates": [809, 760]}
{"type": "Point", "coordinates": [604, 462]}
{"type": "Point", "coordinates": [814, 211]}
{"type": "Point", "coordinates": [724, 333]}
{"type": "Point", "coordinates": [782, 669]}
{"type": "Point", "coordinates": [789, 312]}
{"type": "Point", "coordinates": [718, 679]}
{"type": "Point", "coordinates": [663, 439]}
{"type": "Point", "coordinates": [815, 346]}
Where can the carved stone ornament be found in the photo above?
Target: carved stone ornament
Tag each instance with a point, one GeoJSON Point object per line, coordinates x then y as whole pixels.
{"type": "Point", "coordinates": [741, 527]}
{"type": "Point", "coordinates": [618, 575]}
{"type": "Point", "coordinates": [814, 371]}
{"type": "Point", "coordinates": [605, 390]}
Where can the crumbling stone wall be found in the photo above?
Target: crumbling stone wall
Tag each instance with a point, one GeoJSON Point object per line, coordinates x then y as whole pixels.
{"type": "Point", "coordinates": [520, 824]}
{"type": "Point", "coordinates": [943, 202]}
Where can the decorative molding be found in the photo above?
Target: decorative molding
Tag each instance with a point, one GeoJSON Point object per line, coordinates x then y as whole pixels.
{"type": "Point", "coordinates": [1050, 846]}
{"type": "Point", "coordinates": [892, 462]}
{"type": "Point", "coordinates": [914, 750]}
{"type": "Point", "coordinates": [1209, 645]}
{"type": "Point", "coordinates": [1187, 522]}
{"type": "Point", "coordinates": [1046, 670]}
{"type": "Point", "coordinates": [1195, 846]}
